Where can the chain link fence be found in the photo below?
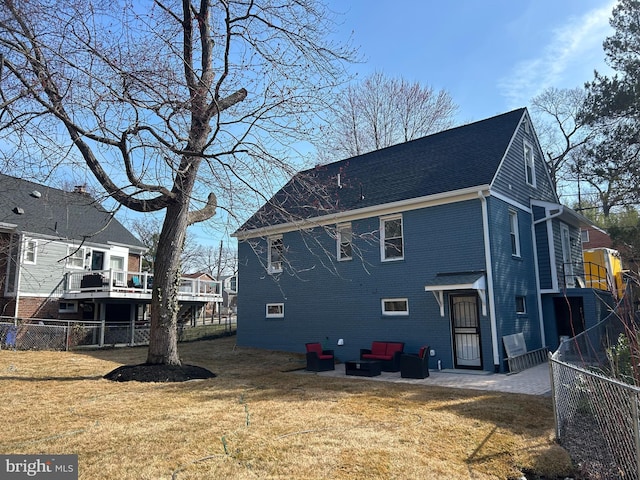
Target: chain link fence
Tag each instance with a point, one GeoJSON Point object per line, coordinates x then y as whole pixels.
{"type": "Point", "coordinates": [596, 408]}
{"type": "Point", "coordinates": [48, 334]}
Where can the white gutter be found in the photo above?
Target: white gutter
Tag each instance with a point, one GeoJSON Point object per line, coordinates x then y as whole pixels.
{"type": "Point", "coordinates": [366, 212]}
{"type": "Point", "coordinates": [489, 269]}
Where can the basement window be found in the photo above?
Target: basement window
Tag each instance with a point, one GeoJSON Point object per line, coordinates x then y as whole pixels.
{"type": "Point", "coordinates": [275, 310]}
{"type": "Point", "coordinates": [68, 307]}
{"type": "Point", "coordinates": [395, 306]}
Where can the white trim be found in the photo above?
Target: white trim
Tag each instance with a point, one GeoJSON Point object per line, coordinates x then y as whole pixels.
{"type": "Point", "coordinates": [480, 285]}
{"type": "Point", "coordinates": [280, 307]}
{"type": "Point", "coordinates": [367, 212]}
{"type": "Point", "coordinates": [539, 291]}
{"type": "Point", "coordinates": [511, 202]}
{"type": "Point", "coordinates": [394, 313]}
{"type": "Point", "coordinates": [490, 292]}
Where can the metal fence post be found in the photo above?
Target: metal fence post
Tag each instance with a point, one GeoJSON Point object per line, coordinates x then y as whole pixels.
{"type": "Point", "coordinates": [553, 397]}
{"type": "Point", "coordinates": [636, 430]}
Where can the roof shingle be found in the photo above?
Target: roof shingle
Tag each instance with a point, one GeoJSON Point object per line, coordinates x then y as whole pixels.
{"type": "Point", "coordinates": [455, 159]}
{"type": "Point", "coordinates": [60, 214]}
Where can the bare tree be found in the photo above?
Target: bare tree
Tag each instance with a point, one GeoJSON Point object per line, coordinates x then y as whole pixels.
{"type": "Point", "coordinates": [175, 106]}
{"type": "Point", "coordinates": [561, 130]}
{"type": "Point", "coordinates": [379, 112]}
{"type": "Point", "coordinates": [193, 257]}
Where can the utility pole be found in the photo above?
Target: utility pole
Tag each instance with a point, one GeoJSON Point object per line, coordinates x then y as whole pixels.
{"type": "Point", "coordinates": [218, 278]}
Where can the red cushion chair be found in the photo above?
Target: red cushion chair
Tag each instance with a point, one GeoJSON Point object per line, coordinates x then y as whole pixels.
{"type": "Point", "coordinates": [319, 360]}
{"type": "Point", "coordinates": [387, 353]}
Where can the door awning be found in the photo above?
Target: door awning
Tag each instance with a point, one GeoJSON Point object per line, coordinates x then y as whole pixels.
{"type": "Point", "coordinates": [445, 282]}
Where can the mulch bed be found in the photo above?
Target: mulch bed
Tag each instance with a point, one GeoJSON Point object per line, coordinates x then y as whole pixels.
{"type": "Point", "coordinates": [146, 372]}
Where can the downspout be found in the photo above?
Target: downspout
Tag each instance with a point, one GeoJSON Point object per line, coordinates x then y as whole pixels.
{"type": "Point", "coordinates": [537, 272]}
{"type": "Point", "coordinates": [487, 256]}
{"type": "Point", "coordinates": [18, 268]}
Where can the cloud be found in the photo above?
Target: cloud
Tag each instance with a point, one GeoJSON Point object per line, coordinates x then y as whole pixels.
{"type": "Point", "coordinates": [566, 61]}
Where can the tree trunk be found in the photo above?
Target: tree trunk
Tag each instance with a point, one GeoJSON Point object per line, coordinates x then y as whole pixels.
{"type": "Point", "coordinates": [163, 341]}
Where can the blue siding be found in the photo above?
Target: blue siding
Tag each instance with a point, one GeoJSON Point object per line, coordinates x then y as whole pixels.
{"type": "Point", "coordinates": [326, 300]}
{"type": "Point", "coordinates": [513, 276]}
{"type": "Point", "coordinates": [510, 179]}
{"type": "Point", "coordinates": [544, 257]}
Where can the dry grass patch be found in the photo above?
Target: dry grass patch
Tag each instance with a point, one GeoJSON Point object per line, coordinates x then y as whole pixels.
{"type": "Point", "coordinates": [260, 418]}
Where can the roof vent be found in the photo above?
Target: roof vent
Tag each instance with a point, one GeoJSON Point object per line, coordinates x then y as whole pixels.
{"type": "Point", "coordinates": [35, 194]}
{"type": "Point", "coordinates": [80, 189]}
{"type": "Point", "coordinates": [18, 210]}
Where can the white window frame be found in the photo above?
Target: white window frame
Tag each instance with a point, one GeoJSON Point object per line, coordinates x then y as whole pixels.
{"type": "Point", "coordinates": [69, 307]}
{"type": "Point", "coordinates": [584, 236]}
{"type": "Point", "coordinates": [523, 311]}
{"type": "Point", "coordinates": [529, 164]}
{"type": "Point", "coordinates": [383, 239]}
{"type": "Point", "coordinates": [117, 264]}
{"type": "Point", "coordinates": [394, 313]}
{"type": "Point", "coordinates": [75, 254]}
{"type": "Point", "coordinates": [514, 234]}
{"type": "Point", "coordinates": [274, 310]}
{"type": "Point", "coordinates": [344, 236]}
{"type": "Point", "coordinates": [30, 247]}
{"type": "Point", "coordinates": [275, 266]}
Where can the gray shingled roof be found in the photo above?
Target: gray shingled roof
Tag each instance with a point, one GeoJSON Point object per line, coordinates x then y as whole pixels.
{"type": "Point", "coordinates": [60, 214]}
{"type": "Point", "coordinates": [451, 160]}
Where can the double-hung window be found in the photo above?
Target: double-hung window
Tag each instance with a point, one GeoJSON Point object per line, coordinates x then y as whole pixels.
{"type": "Point", "coordinates": [391, 238]}
{"type": "Point", "coordinates": [30, 251]}
{"type": "Point", "coordinates": [75, 257]}
{"type": "Point", "coordinates": [515, 236]}
{"type": "Point", "coordinates": [529, 165]}
{"type": "Point", "coordinates": [276, 250]}
{"type": "Point", "coordinates": [344, 237]}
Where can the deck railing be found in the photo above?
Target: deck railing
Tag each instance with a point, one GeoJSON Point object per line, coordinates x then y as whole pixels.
{"type": "Point", "coordinates": [135, 282]}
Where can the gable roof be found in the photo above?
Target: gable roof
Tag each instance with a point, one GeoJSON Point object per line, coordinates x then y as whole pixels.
{"type": "Point", "coordinates": [456, 159]}
{"type": "Point", "coordinates": [32, 208]}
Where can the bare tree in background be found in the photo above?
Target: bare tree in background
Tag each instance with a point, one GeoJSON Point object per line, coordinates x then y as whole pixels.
{"type": "Point", "coordinates": [180, 107]}
{"type": "Point", "coordinates": [379, 112]}
{"type": "Point", "coordinates": [148, 230]}
{"type": "Point", "coordinates": [561, 131]}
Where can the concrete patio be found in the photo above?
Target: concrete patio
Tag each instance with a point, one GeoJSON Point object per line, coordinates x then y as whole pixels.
{"type": "Point", "coordinates": [533, 381]}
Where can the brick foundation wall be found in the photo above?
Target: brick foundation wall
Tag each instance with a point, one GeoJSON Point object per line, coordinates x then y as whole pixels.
{"type": "Point", "coordinates": [37, 307]}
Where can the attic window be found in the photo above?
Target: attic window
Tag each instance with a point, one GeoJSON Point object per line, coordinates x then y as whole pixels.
{"type": "Point", "coordinates": [529, 165]}
{"type": "Point", "coordinates": [18, 210]}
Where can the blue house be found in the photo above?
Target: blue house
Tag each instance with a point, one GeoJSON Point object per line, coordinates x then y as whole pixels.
{"type": "Point", "coordinates": [454, 240]}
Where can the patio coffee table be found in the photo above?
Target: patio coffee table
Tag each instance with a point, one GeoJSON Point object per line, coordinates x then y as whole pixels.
{"type": "Point", "coordinates": [362, 368]}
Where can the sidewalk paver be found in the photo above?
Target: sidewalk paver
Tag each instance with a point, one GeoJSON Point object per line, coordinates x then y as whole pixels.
{"type": "Point", "coordinates": [533, 381]}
